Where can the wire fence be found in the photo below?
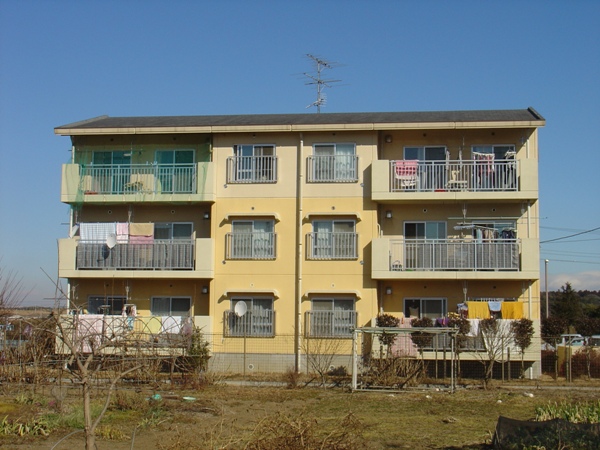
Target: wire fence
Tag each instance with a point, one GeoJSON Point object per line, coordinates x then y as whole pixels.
{"type": "Point", "coordinates": [376, 359]}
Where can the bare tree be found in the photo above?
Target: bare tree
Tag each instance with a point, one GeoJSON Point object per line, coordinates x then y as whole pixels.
{"type": "Point", "coordinates": [12, 291]}
{"type": "Point", "coordinates": [321, 352]}
{"type": "Point", "coordinates": [496, 335]}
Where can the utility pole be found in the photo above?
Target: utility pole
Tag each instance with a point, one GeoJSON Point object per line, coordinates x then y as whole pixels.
{"type": "Point", "coordinates": [546, 288]}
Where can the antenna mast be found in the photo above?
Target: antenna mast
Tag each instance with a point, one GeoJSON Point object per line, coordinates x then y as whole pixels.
{"type": "Point", "coordinates": [320, 64]}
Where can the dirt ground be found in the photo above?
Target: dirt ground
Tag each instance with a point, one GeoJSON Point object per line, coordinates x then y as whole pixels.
{"type": "Point", "coordinates": [232, 417]}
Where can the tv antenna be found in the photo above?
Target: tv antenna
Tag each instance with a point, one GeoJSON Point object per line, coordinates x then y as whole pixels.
{"type": "Point", "coordinates": [318, 81]}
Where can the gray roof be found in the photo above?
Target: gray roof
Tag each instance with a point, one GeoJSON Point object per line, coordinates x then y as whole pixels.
{"type": "Point", "coordinates": [258, 120]}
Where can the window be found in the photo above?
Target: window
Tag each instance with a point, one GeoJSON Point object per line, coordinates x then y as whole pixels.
{"type": "Point", "coordinates": [425, 307]}
{"type": "Point", "coordinates": [424, 245]}
{"type": "Point", "coordinates": [425, 153]}
{"type": "Point", "coordinates": [173, 231]}
{"type": "Point", "coordinates": [333, 239]}
{"type": "Point", "coordinates": [252, 164]}
{"type": "Point", "coordinates": [111, 171]}
{"type": "Point", "coordinates": [331, 317]}
{"type": "Point", "coordinates": [499, 151]}
{"type": "Point", "coordinates": [333, 163]}
{"type": "Point", "coordinates": [176, 170]}
{"type": "Point", "coordinates": [170, 306]}
{"type": "Point", "coordinates": [258, 320]}
{"type": "Point", "coordinates": [432, 166]}
{"type": "Point", "coordinates": [425, 230]}
{"type": "Point", "coordinates": [106, 305]}
{"type": "Point", "coordinates": [251, 239]}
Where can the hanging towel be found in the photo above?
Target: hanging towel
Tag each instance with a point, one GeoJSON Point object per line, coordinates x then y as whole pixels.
{"type": "Point", "coordinates": [512, 310]}
{"type": "Point", "coordinates": [141, 229]}
{"type": "Point", "coordinates": [478, 310]}
{"type": "Point", "coordinates": [122, 232]}
{"type": "Point", "coordinates": [171, 324]}
{"type": "Point", "coordinates": [474, 330]}
{"type": "Point", "coordinates": [96, 232]}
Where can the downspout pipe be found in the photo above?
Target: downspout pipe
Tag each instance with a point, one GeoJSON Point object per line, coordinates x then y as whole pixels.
{"type": "Point", "coordinates": [299, 246]}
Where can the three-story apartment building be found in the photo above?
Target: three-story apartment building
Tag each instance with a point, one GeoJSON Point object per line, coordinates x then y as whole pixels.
{"type": "Point", "coordinates": [303, 225]}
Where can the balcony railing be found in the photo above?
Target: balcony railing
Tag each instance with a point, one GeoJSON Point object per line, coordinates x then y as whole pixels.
{"type": "Point", "coordinates": [449, 254]}
{"type": "Point", "coordinates": [469, 175]}
{"type": "Point", "coordinates": [332, 168]}
{"type": "Point", "coordinates": [329, 246]}
{"type": "Point", "coordinates": [138, 178]}
{"type": "Point", "coordinates": [251, 245]}
{"type": "Point", "coordinates": [330, 323]}
{"type": "Point", "coordinates": [160, 255]}
{"type": "Point", "coordinates": [252, 169]}
{"type": "Point", "coordinates": [252, 323]}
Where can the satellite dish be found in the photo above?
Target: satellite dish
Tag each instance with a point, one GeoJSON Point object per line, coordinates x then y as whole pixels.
{"type": "Point", "coordinates": [111, 240]}
{"type": "Point", "coordinates": [241, 308]}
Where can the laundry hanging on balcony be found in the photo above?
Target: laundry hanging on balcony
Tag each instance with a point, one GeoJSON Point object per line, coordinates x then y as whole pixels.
{"type": "Point", "coordinates": [141, 233]}
{"type": "Point", "coordinates": [96, 232]}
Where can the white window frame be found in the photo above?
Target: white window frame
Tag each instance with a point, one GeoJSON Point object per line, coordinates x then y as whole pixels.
{"type": "Point", "coordinates": [253, 163]}
{"type": "Point", "coordinates": [339, 322]}
{"type": "Point", "coordinates": [336, 167]}
{"type": "Point", "coordinates": [332, 244]}
{"type": "Point", "coordinates": [260, 244]}
{"type": "Point", "coordinates": [256, 322]}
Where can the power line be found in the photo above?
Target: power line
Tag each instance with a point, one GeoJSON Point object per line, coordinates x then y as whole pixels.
{"type": "Point", "coordinates": [571, 235]}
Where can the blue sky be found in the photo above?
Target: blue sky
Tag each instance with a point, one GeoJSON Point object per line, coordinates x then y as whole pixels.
{"type": "Point", "coordinates": [64, 61]}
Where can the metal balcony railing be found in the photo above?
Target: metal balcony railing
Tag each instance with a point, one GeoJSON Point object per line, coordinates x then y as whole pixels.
{"type": "Point", "coordinates": [253, 323]}
{"type": "Point", "coordinates": [138, 178]}
{"type": "Point", "coordinates": [252, 169]}
{"type": "Point", "coordinates": [160, 255]}
{"type": "Point", "coordinates": [450, 254]}
{"type": "Point", "coordinates": [332, 168]}
{"type": "Point", "coordinates": [329, 246]}
{"type": "Point", "coordinates": [251, 245]}
{"type": "Point", "coordinates": [330, 323]}
{"type": "Point", "coordinates": [441, 176]}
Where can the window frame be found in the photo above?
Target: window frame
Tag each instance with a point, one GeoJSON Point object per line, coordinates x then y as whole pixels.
{"type": "Point", "coordinates": [333, 171]}
{"type": "Point", "coordinates": [257, 250]}
{"type": "Point", "coordinates": [255, 322]}
{"type": "Point", "coordinates": [171, 226]}
{"type": "Point", "coordinates": [155, 312]}
{"type": "Point", "coordinates": [254, 168]}
{"type": "Point", "coordinates": [112, 300]}
{"type": "Point", "coordinates": [422, 151]}
{"type": "Point", "coordinates": [406, 306]}
{"type": "Point", "coordinates": [334, 326]}
{"type": "Point", "coordinates": [318, 251]}
{"type": "Point", "coordinates": [425, 224]}
{"type": "Point", "coordinates": [494, 149]}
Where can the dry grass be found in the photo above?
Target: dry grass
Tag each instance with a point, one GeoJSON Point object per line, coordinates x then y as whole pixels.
{"type": "Point", "coordinates": [229, 417]}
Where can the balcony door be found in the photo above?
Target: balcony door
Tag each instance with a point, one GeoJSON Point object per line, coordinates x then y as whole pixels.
{"type": "Point", "coordinates": [111, 171]}
{"type": "Point", "coordinates": [175, 171]}
{"type": "Point", "coordinates": [423, 248]}
{"type": "Point", "coordinates": [432, 167]}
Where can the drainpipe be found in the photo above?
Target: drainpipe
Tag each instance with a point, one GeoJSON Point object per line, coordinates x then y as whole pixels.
{"type": "Point", "coordinates": [299, 184]}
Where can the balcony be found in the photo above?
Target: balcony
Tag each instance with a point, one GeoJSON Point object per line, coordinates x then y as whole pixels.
{"type": "Point", "coordinates": [450, 254]}
{"type": "Point", "coordinates": [252, 169]}
{"type": "Point", "coordinates": [455, 259]}
{"type": "Point", "coordinates": [138, 183]}
{"type": "Point", "coordinates": [251, 324]}
{"type": "Point", "coordinates": [257, 245]}
{"type": "Point", "coordinates": [454, 180]}
{"type": "Point", "coordinates": [163, 258]}
{"type": "Point", "coordinates": [332, 246]}
{"type": "Point", "coordinates": [160, 255]}
{"type": "Point", "coordinates": [332, 169]}
{"type": "Point", "coordinates": [334, 324]}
